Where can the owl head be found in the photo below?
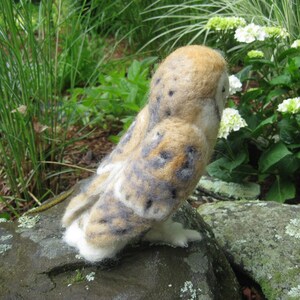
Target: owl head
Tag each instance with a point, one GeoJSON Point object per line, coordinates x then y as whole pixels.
{"type": "Point", "coordinates": [189, 84]}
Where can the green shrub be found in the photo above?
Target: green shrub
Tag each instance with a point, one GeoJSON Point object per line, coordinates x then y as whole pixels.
{"type": "Point", "coordinates": [268, 149]}
{"type": "Point", "coordinates": [118, 97]}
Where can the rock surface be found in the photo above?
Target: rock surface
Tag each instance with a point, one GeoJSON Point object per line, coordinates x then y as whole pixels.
{"type": "Point", "coordinates": [263, 240]}
{"type": "Point", "coordinates": [228, 190]}
{"type": "Point", "coordinates": [36, 264]}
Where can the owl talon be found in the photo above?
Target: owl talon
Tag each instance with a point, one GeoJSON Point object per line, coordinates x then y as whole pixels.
{"type": "Point", "coordinates": [172, 233]}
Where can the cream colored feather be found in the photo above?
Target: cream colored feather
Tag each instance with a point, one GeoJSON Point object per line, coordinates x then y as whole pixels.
{"type": "Point", "coordinates": [157, 163]}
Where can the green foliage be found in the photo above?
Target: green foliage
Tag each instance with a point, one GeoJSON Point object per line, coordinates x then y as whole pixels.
{"type": "Point", "coordinates": [52, 53]}
{"type": "Point", "coordinates": [232, 159]}
{"type": "Point", "coordinates": [281, 13]}
{"type": "Point", "coordinates": [118, 97]}
{"type": "Point", "coordinates": [78, 277]}
{"type": "Point", "coordinates": [268, 148]}
{"type": "Point", "coordinates": [185, 22]}
{"type": "Point", "coordinates": [44, 50]}
{"type": "Point", "coordinates": [124, 20]}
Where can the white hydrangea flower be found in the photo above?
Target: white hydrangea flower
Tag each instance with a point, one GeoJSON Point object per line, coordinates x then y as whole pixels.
{"type": "Point", "coordinates": [291, 106]}
{"type": "Point", "coordinates": [225, 23]}
{"type": "Point", "coordinates": [250, 33]}
{"type": "Point", "coordinates": [255, 54]}
{"type": "Point", "coordinates": [235, 85]}
{"type": "Point", "coordinates": [276, 32]}
{"type": "Point", "coordinates": [231, 121]}
{"type": "Point", "coordinates": [296, 44]}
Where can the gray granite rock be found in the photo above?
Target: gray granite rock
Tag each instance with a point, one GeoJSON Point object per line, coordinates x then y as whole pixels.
{"type": "Point", "coordinates": [36, 264]}
{"type": "Point", "coordinates": [262, 239]}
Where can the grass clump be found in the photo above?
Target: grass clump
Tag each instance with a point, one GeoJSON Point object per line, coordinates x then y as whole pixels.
{"type": "Point", "coordinates": [187, 21]}
{"type": "Point", "coordinates": [44, 50]}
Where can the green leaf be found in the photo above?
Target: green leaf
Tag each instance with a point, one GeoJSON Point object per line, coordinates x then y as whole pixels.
{"type": "Point", "coordinates": [244, 73]}
{"type": "Point", "coordinates": [252, 94]}
{"type": "Point", "coordinates": [275, 94]}
{"type": "Point", "coordinates": [288, 53]}
{"type": "Point", "coordinates": [272, 156]}
{"type": "Point", "coordinates": [281, 190]}
{"type": "Point", "coordinates": [216, 169]}
{"type": "Point", "coordinates": [114, 139]}
{"type": "Point", "coordinates": [132, 94]}
{"type": "Point", "coordinates": [227, 169]}
{"type": "Point", "coordinates": [262, 124]}
{"type": "Point", "coordinates": [240, 158]}
{"type": "Point", "coordinates": [288, 133]}
{"type": "Point", "coordinates": [292, 69]}
{"type": "Point", "coordinates": [261, 61]}
{"type": "Point", "coordinates": [134, 70]}
{"type": "Point", "coordinates": [294, 64]}
{"type": "Point", "coordinates": [5, 215]}
{"type": "Point", "coordinates": [284, 79]}
{"type": "Point", "coordinates": [298, 119]}
{"type": "Point", "coordinates": [127, 121]}
{"type": "Point", "coordinates": [288, 165]}
{"type": "Point", "coordinates": [149, 61]}
{"type": "Point", "coordinates": [132, 106]}
{"type": "Point", "coordinates": [242, 172]}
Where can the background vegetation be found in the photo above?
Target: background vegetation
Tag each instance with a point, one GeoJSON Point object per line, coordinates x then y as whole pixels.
{"type": "Point", "coordinates": [88, 63]}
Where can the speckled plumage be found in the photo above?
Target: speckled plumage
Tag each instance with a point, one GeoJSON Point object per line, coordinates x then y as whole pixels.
{"type": "Point", "coordinates": [157, 163]}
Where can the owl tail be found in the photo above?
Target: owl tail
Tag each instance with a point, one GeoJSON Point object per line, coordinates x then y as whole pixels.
{"type": "Point", "coordinates": [78, 205]}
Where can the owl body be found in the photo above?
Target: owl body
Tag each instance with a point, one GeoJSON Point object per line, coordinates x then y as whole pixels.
{"type": "Point", "coordinates": [157, 163]}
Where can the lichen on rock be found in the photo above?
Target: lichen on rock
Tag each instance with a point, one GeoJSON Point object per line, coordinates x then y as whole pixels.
{"type": "Point", "coordinates": [262, 239]}
{"type": "Point", "coordinates": [189, 291]}
{"type": "Point", "coordinates": [229, 190]}
{"type": "Point", "coordinates": [293, 228]}
{"type": "Point", "coordinates": [28, 221]}
{"type": "Point", "coordinates": [4, 248]}
{"type": "Point", "coordinates": [294, 292]}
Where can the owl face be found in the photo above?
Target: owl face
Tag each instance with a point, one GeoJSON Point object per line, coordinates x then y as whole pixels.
{"type": "Point", "coordinates": [222, 93]}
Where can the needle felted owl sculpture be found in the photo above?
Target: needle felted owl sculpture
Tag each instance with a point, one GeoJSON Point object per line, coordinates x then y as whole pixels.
{"type": "Point", "coordinates": [157, 163]}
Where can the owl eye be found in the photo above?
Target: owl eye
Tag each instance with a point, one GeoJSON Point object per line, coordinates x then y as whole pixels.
{"type": "Point", "coordinates": [223, 90]}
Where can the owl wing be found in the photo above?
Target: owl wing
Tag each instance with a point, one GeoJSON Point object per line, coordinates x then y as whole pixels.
{"type": "Point", "coordinates": [163, 171]}
{"type": "Point", "coordinates": [108, 169]}
{"type": "Point", "coordinates": [149, 185]}
{"type": "Point", "coordinates": [142, 189]}
{"type": "Point", "coordinates": [128, 143]}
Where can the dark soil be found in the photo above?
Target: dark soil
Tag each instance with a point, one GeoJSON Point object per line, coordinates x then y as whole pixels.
{"type": "Point", "coordinates": [87, 152]}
